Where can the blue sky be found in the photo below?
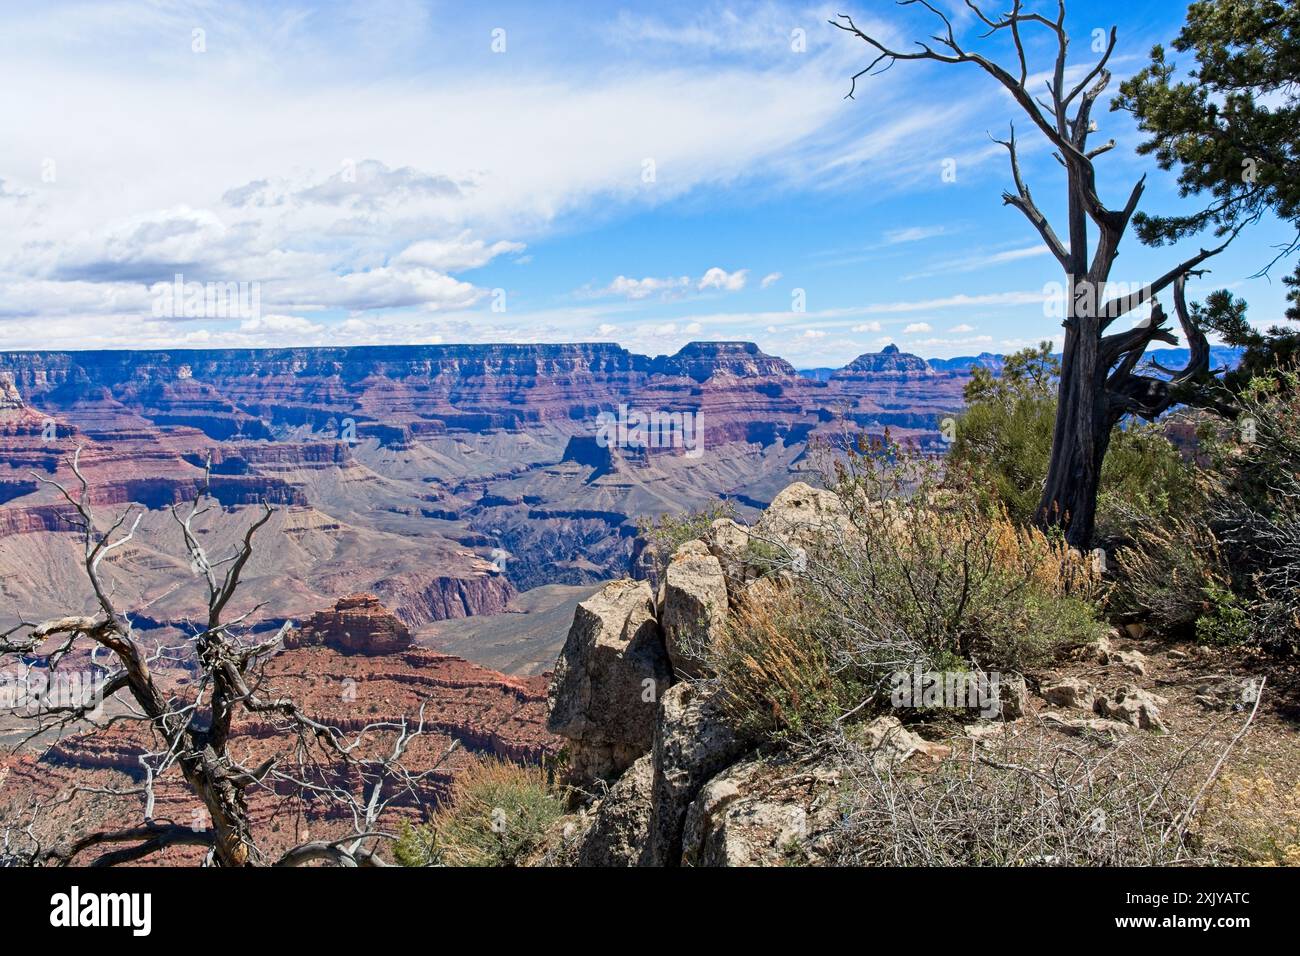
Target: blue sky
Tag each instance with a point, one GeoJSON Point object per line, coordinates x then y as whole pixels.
{"type": "Point", "coordinates": [645, 174]}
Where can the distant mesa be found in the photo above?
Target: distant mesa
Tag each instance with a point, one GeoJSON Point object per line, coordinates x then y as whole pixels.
{"type": "Point", "coordinates": [965, 364]}
{"type": "Point", "coordinates": [702, 360]}
{"type": "Point", "coordinates": [888, 361]}
{"type": "Point", "coordinates": [356, 624]}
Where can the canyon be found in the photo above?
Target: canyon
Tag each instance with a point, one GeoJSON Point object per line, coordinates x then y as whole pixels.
{"type": "Point", "coordinates": [445, 479]}
{"type": "Point", "coordinates": [438, 513]}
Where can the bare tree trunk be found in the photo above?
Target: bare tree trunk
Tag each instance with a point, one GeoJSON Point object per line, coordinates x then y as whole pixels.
{"type": "Point", "coordinates": [1099, 383]}
{"type": "Point", "coordinates": [1081, 437]}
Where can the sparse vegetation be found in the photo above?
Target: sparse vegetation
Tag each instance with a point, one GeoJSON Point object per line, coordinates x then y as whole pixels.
{"type": "Point", "coordinates": [497, 814]}
{"type": "Point", "coordinates": [665, 533]}
{"type": "Point", "coordinates": [1254, 819]}
{"type": "Point", "coordinates": [1004, 442]}
{"type": "Point", "coordinates": [916, 574]}
{"type": "Point", "coordinates": [1024, 802]}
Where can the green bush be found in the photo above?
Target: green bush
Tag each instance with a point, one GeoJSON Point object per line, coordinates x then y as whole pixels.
{"type": "Point", "coordinates": [497, 815]}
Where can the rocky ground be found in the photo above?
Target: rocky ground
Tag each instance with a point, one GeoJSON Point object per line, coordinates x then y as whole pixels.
{"type": "Point", "coordinates": [662, 778]}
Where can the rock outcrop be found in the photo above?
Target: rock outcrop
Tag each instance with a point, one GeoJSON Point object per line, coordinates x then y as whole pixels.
{"type": "Point", "coordinates": [692, 743]}
{"type": "Point", "coordinates": [9, 395]}
{"type": "Point", "coordinates": [693, 607]}
{"type": "Point", "coordinates": [357, 624]}
{"type": "Point", "coordinates": [619, 833]}
{"type": "Point", "coordinates": [608, 681]}
{"type": "Point", "coordinates": [670, 778]}
{"type": "Point", "coordinates": [800, 515]}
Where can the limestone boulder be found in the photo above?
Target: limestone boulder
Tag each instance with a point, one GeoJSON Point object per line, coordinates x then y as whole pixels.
{"type": "Point", "coordinates": [728, 541]}
{"type": "Point", "coordinates": [1070, 692]}
{"type": "Point", "coordinates": [754, 814]}
{"type": "Point", "coordinates": [802, 515]}
{"type": "Point", "coordinates": [619, 832]}
{"type": "Point", "coordinates": [694, 607]}
{"type": "Point", "coordinates": [889, 743]}
{"type": "Point", "coordinates": [1084, 726]}
{"type": "Point", "coordinates": [1229, 694]}
{"type": "Point", "coordinates": [608, 681]}
{"type": "Point", "coordinates": [693, 742]}
{"type": "Point", "coordinates": [1134, 706]}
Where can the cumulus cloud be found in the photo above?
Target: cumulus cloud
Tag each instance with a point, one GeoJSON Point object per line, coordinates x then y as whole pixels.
{"type": "Point", "coordinates": [644, 288]}
{"type": "Point", "coordinates": [671, 286]}
{"type": "Point", "coordinates": [915, 328]}
{"type": "Point", "coordinates": [146, 247]}
{"type": "Point", "coordinates": [723, 280]}
{"type": "Point", "coordinates": [867, 327]}
{"type": "Point", "coordinates": [394, 287]}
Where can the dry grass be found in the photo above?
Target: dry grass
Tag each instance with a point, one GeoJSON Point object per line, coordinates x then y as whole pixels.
{"type": "Point", "coordinates": [1032, 799]}
{"type": "Point", "coordinates": [1255, 819]}
{"type": "Point", "coordinates": [775, 666]}
{"type": "Point", "coordinates": [1046, 560]}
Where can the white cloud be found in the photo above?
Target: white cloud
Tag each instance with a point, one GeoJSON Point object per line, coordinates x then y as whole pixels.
{"type": "Point", "coordinates": [395, 287]}
{"type": "Point", "coordinates": [644, 288]}
{"type": "Point", "coordinates": [896, 237]}
{"type": "Point", "coordinates": [723, 280]}
{"type": "Point", "coordinates": [770, 279]}
{"type": "Point", "coordinates": [670, 286]}
{"type": "Point", "coordinates": [917, 327]}
{"type": "Point", "coordinates": [867, 327]}
{"type": "Point", "coordinates": [456, 253]}
{"type": "Point", "coordinates": [963, 327]}
{"type": "Point", "coordinates": [269, 324]}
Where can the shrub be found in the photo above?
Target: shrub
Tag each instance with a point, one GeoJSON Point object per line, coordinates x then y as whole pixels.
{"type": "Point", "coordinates": [775, 666]}
{"type": "Point", "coordinates": [1021, 801]}
{"type": "Point", "coordinates": [1257, 506]}
{"type": "Point", "coordinates": [666, 533]}
{"type": "Point", "coordinates": [1005, 434]}
{"type": "Point", "coordinates": [496, 815]}
{"type": "Point", "coordinates": [1169, 574]}
{"type": "Point", "coordinates": [915, 575]}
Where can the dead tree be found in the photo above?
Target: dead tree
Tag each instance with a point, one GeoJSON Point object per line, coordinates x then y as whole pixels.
{"type": "Point", "coordinates": [192, 733]}
{"type": "Point", "coordinates": [1100, 380]}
